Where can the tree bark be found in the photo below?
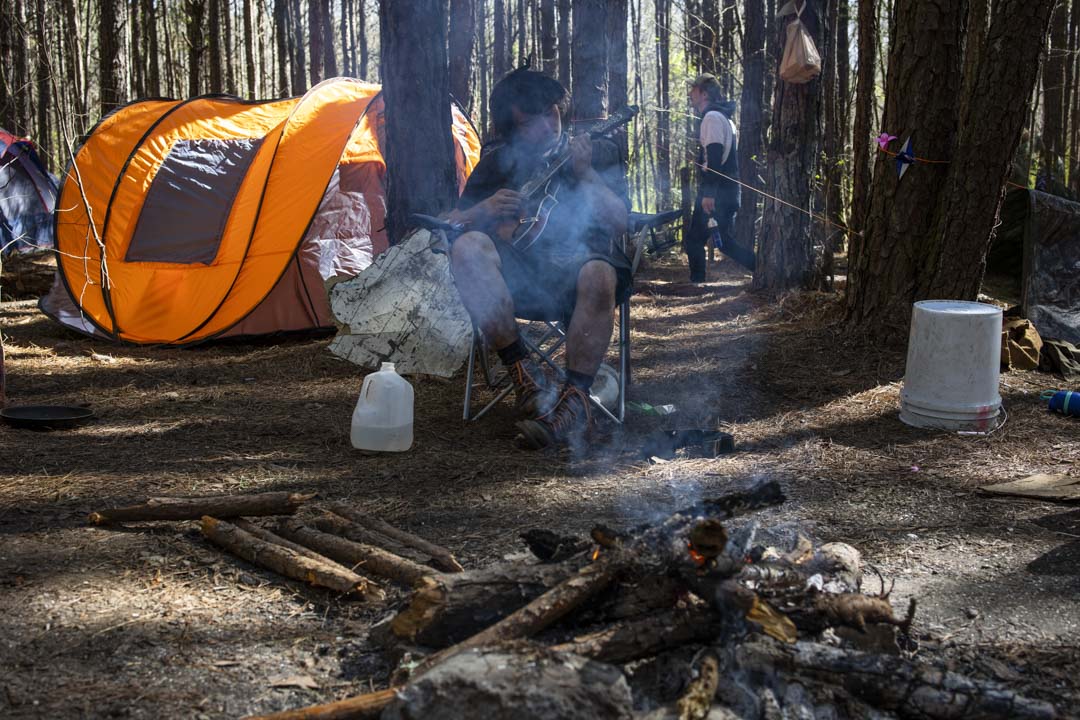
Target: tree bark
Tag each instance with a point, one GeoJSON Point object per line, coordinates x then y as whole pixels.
{"type": "Point", "coordinates": [1074, 136]}
{"type": "Point", "coordinates": [786, 256]}
{"type": "Point", "coordinates": [416, 85]}
{"type": "Point", "coordinates": [831, 205]}
{"type": "Point", "coordinates": [724, 59]}
{"type": "Point", "coordinates": [462, 39]}
{"type": "Point", "coordinates": [315, 40]}
{"type": "Point", "coordinates": [329, 63]}
{"type": "Point", "coordinates": [362, 31]}
{"type": "Point", "coordinates": [750, 122]}
{"type": "Point", "coordinates": [1052, 155]}
{"type": "Point", "coordinates": [521, 34]}
{"type": "Point", "coordinates": [136, 54]}
{"type": "Point", "coordinates": [249, 51]}
{"type": "Point", "coordinates": [150, 33]}
{"type": "Point", "coordinates": [663, 101]}
{"type": "Point", "coordinates": [108, 56]}
{"type": "Point", "coordinates": [167, 508]}
{"type": "Point", "coordinates": [72, 60]}
{"type": "Point", "coordinates": [865, 100]}
{"type": "Point", "coordinates": [286, 562]}
{"type": "Point", "coordinates": [500, 53]}
{"type": "Point", "coordinates": [590, 55]}
{"type": "Point", "coordinates": [42, 79]}
{"type": "Point", "coordinates": [215, 59]}
{"type": "Point", "coordinates": [921, 92]}
{"type": "Point", "coordinates": [549, 60]}
{"type": "Point", "coordinates": [645, 637]}
{"type": "Point", "coordinates": [565, 45]}
{"type": "Point", "coordinates": [194, 11]}
{"type": "Point", "coordinates": [281, 43]}
{"type": "Point", "coordinates": [297, 53]}
{"type": "Point", "coordinates": [348, 56]}
{"type": "Point", "coordinates": [988, 134]}
{"type": "Point", "coordinates": [618, 69]}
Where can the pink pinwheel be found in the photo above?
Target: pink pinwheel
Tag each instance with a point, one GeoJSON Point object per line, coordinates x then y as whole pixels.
{"type": "Point", "coordinates": [884, 139]}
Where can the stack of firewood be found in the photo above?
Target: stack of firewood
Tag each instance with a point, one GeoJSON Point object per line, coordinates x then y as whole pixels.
{"type": "Point", "coordinates": [767, 618]}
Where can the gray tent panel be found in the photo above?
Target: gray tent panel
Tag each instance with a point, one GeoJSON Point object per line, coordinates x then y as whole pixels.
{"type": "Point", "coordinates": [189, 200]}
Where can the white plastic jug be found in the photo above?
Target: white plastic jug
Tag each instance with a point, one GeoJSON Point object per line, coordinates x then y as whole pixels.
{"type": "Point", "coordinates": [383, 418]}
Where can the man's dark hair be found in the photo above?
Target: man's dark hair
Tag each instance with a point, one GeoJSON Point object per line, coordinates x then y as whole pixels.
{"type": "Point", "coordinates": [531, 92]}
{"type": "Point", "coordinates": [708, 84]}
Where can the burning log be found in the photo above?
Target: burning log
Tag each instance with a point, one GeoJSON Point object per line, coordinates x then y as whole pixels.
{"type": "Point", "coordinates": [289, 563]}
{"type": "Point", "coordinates": [647, 636]}
{"type": "Point", "coordinates": [910, 689]}
{"type": "Point", "coordinates": [373, 560]}
{"type": "Point", "coordinates": [446, 609]}
{"type": "Point", "coordinates": [230, 506]}
{"type": "Point", "coordinates": [442, 557]}
{"type": "Point", "coordinates": [697, 700]}
{"type": "Point", "coordinates": [334, 524]}
{"type": "Point", "coordinates": [360, 707]}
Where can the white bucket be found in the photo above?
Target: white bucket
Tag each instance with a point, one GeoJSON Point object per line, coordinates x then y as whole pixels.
{"type": "Point", "coordinates": [953, 364]}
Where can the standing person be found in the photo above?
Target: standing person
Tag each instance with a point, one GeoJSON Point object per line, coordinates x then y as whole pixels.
{"type": "Point", "coordinates": [576, 270]}
{"type": "Point", "coordinates": [719, 194]}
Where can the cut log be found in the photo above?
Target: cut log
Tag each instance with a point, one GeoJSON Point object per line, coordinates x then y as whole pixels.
{"type": "Point", "coordinates": [264, 534]}
{"type": "Point", "coordinates": [288, 562]}
{"type": "Point", "coordinates": [697, 699]}
{"type": "Point", "coordinates": [450, 608]}
{"type": "Point", "coordinates": [359, 707]}
{"type": "Point", "coordinates": [647, 636]}
{"type": "Point", "coordinates": [440, 555]}
{"type": "Point", "coordinates": [228, 506]}
{"type": "Point", "coordinates": [334, 524]}
{"type": "Point", "coordinates": [544, 611]}
{"type": "Point", "coordinates": [370, 559]}
{"type": "Point", "coordinates": [912, 690]}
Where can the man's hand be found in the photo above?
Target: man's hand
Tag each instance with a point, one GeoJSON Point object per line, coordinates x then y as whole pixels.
{"type": "Point", "coordinates": [708, 204]}
{"type": "Point", "coordinates": [581, 156]}
{"type": "Point", "coordinates": [504, 203]}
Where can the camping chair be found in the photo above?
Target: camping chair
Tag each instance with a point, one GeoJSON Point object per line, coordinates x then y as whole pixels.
{"type": "Point", "coordinates": [544, 337]}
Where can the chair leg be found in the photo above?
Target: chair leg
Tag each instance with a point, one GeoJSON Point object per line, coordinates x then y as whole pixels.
{"type": "Point", "coordinates": [624, 356]}
{"type": "Point", "coordinates": [466, 413]}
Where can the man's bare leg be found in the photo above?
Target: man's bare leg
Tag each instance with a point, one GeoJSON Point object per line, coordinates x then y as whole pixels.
{"type": "Point", "coordinates": [594, 316]}
{"type": "Point", "coordinates": [479, 280]}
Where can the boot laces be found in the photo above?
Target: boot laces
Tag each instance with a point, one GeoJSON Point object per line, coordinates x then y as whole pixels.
{"type": "Point", "coordinates": [568, 411]}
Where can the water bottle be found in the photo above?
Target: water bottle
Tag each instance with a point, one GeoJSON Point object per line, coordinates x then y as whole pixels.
{"type": "Point", "coordinates": [714, 234]}
{"type": "Point", "coordinates": [1065, 402]}
{"type": "Point", "coordinates": [383, 418]}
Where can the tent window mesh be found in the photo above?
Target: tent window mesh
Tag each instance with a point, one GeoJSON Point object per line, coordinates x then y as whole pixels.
{"type": "Point", "coordinates": [189, 201]}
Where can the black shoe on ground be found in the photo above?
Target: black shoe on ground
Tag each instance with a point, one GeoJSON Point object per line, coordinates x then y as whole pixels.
{"type": "Point", "coordinates": [566, 425]}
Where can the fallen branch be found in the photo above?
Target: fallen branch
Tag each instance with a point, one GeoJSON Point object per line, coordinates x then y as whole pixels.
{"type": "Point", "coordinates": [288, 562]}
{"type": "Point", "coordinates": [910, 689]}
{"type": "Point", "coordinates": [369, 558]}
{"type": "Point", "coordinates": [645, 637]}
{"type": "Point", "coordinates": [228, 506]}
{"type": "Point", "coordinates": [446, 609]}
{"type": "Point", "coordinates": [441, 556]}
{"type": "Point", "coordinates": [270, 537]}
{"type": "Point", "coordinates": [359, 707]}
{"type": "Point", "coordinates": [334, 524]}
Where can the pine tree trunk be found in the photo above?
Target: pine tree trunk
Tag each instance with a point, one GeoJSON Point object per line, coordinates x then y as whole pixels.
{"type": "Point", "coordinates": [249, 51]}
{"type": "Point", "coordinates": [229, 48]}
{"type": "Point", "coordinates": [138, 57]}
{"type": "Point", "coordinates": [348, 61]}
{"type": "Point", "coordinates": [214, 30]}
{"type": "Point", "coordinates": [663, 101]}
{"type": "Point", "coordinates": [7, 34]}
{"type": "Point", "coordinates": [42, 78]}
{"type": "Point", "coordinates": [724, 62]}
{"type": "Point", "coordinates": [564, 42]}
{"type": "Point", "coordinates": [108, 56]}
{"type": "Point", "coordinates": [297, 58]}
{"type": "Point", "coordinates": [921, 92]}
{"type": "Point", "coordinates": [548, 37]}
{"type": "Point", "coordinates": [281, 42]}
{"type": "Point", "coordinates": [618, 92]}
{"type": "Point", "coordinates": [1052, 157]}
{"type": "Point", "coordinates": [329, 56]}
{"type": "Point", "coordinates": [17, 90]}
{"type": "Point", "coordinates": [72, 65]}
{"type": "Point", "coordinates": [750, 126]}
{"type": "Point", "coordinates": [786, 257]}
{"type": "Point", "coordinates": [521, 37]}
{"type": "Point", "coordinates": [1074, 136]}
{"type": "Point", "coordinates": [315, 40]}
{"type": "Point", "coordinates": [264, 72]}
{"type": "Point", "coordinates": [150, 35]}
{"type": "Point", "coordinates": [462, 36]}
{"type": "Point", "coordinates": [500, 53]}
{"type": "Point", "coordinates": [484, 55]}
{"type": "Point", "coordinates": [363, 39]}
{"type": "Point", "coordinates": [832, 144]}
{"type": "Point", "coordinates": [172, 80]}
{"type": "Point", "coordinates": [590, 55]}
{"type": "Point", "coordinates": [988, 132]}
{"type": "Point", "coordinates": [416, 86]}
{"type": "Point", "coordinates": [861, 145]}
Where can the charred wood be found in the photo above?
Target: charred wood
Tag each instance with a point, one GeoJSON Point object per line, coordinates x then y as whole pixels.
{"type": "Point", "coordinates": [646, 636]}
{"type": "Point", "coordinates": [697, 700]}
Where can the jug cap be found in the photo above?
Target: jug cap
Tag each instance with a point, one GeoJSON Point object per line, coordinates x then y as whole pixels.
{"type": "Point", "coordinates": [387, 367]}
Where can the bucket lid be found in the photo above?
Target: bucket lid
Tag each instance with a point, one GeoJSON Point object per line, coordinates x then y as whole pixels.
{"type": "Point", "coordinates": [958, 307]}
{"type": "Point", "coordinates": [387, 367]}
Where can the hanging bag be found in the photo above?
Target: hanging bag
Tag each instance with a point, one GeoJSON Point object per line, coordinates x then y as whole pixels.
{"type": "Point", "coordinates": [801, 62]}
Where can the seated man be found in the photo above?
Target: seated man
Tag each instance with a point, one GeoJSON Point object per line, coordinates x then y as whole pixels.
{"type": "Point", "coordinates": [576, 270]}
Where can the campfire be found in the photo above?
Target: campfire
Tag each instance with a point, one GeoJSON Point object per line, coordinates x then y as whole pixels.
{"type": "Point", "coordinates": [705, 611]}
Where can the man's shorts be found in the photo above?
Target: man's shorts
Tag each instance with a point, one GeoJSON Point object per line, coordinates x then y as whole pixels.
{"type": "Point", "coordinates": [545, 289]}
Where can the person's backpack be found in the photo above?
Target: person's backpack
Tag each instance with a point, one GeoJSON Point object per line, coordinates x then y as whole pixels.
{"type": "Point", "coordinates": [801, 62]}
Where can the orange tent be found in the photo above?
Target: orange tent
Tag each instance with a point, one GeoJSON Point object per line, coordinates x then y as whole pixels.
{"type": "Point", "coordinates": [181, 221]}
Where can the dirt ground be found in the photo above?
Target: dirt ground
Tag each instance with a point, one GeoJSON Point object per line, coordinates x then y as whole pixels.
{"type": "Point", "coordinates": [150, 621]}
